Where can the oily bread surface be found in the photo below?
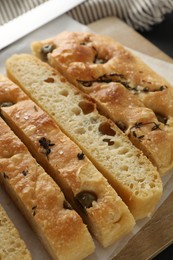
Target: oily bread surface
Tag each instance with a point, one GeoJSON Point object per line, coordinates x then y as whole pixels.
{"type": "Point", "coordinates": [41, 200]}
{"type": "Point", "coordinates": [125, 89]}
{"type": "Point", "coordinates": [131, 173]}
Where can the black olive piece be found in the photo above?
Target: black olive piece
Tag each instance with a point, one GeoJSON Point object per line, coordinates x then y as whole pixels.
{"type": "Point", "coordinates": [161, 118]}
{"type": "Point", "coordinates": [81, 156]}
{"type": "Point", "coordinates": [47, 48]}
{"type": "Point", "coordinates": [67, 205]}
{"type": "Point", "coordinates": [6, 104]}
{"type": "Point", "coordinates": [85, 199]}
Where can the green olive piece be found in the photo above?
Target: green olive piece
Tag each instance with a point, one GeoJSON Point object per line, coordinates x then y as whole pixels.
{"type": "Point", "coordinates": [6, 104]}
{"type": "Point", "coordinates": [85, 198]}
{"type": "Point", "coordinates": [47, 48]}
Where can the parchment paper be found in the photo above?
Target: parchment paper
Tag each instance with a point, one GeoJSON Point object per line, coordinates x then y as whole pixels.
{"type": "Point", "coordinates": [23, 46]}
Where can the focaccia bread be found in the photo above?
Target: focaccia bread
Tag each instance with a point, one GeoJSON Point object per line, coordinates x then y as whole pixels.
{"type": "Point", "coordinates": [86, 189]}
{"type": "Point", "coordinates": [131, 174]}
{"type": "Point", "coordinates": [11, 244]}
{"type": "Point", "coordinates": [61, 229]}
{"type": "Point", "coordinates": [125, 89]}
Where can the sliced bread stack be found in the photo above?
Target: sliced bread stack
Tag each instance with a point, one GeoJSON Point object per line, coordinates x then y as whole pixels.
{"type": "Point", "coordinates": [130, 173]}
{"type": "Point", "coordinates": [106, 215]}
{"type": "Point", "coordinates": [126, 90]}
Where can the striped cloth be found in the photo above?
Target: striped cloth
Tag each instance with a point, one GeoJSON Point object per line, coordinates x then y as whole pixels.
{"type": "Point", "coordinates": [10, 9]}
{"type": "Point", "coordinates": [139, 14]}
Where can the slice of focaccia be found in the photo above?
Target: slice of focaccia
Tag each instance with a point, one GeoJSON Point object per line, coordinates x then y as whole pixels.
{"type": "Point", "coordinates": [84, 186]}
{"type": "Point", "coordinates": [125, 89]}
{"type": "Point", "coordinates": [11, 245]}
{"type": "Point", "coordinates": [61, 229]}
{"type": "Point", "coordinates": [131, 174]}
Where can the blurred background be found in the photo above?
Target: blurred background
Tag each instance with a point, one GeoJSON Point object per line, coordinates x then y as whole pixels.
{"type": "Point", "coordinates": [162, 36]}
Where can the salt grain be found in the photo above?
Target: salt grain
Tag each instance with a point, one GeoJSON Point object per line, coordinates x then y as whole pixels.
{"type": "Point", "coordinates": [26, 116]}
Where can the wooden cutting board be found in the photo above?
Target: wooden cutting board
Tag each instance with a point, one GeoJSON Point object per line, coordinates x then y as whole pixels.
{"type": "Point", "coordinates": [157, 234]}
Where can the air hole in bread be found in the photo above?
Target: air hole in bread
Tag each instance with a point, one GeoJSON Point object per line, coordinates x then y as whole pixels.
{"type": "Point", "coordinates": [86, 107]}
{"type": "Point", "coordinates": [124, 168]}
{"type": "Point", "coordinates": [10, 250]}
{"type": "Point", "coordinates": [93, 120]}
{"type": "Point", "coordinates": [117, 144]}
{"type": "Point", "coordinates": [136, 192]}
{"type": "Point", "coordinates": [7, 154]}
{"type": "Point", "coordinates": [80, 130]}
{"type": "Point", "coordinates": [76, 110]}
{"type": "Point", "coordinates": [90, 127]}
{"type": "Point", "coordinates": [105, 129]}
{"type": "Point", "coordinates": [64, 92]}
{"type": "Point", "coordinates": [152, 185]}
{"type": "Point", "coordinates": [139, 179]}
{"type": "Point", "coordinates": [131, 185]}
{"type": "Point", "coordinates": [49, 80]}
{"type": "Point", "coordinates": [129, 154]}
{"type": "Point", "coordinates": [155, 177]}
{"type": "Point", "coordinates": [123, 150]}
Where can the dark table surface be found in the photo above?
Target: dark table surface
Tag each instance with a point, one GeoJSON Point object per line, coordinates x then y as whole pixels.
{"type": "Point", "coordinates": [162, 36]}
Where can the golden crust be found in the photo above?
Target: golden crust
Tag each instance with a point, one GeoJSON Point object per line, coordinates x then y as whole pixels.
{"type": "Point", "coordinates": [74, 175]}
{"type": "Point", "coordinates": [41, 200]}
{"type": "Point", "coordinates": [112, 75]}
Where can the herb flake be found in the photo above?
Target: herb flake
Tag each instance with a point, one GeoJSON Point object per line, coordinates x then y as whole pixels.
{"type": "Point", "coordinates": [46, 144]}
{"type": "Point", "coordinates": [81, 156]}
{"type": "Point", "coordinates": [25, 172]}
